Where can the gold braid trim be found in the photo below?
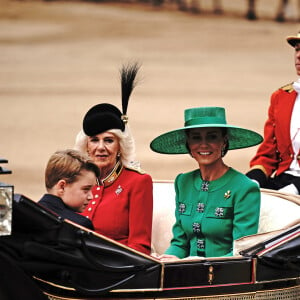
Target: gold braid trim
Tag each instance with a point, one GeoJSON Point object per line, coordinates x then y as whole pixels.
{"type": "Point", "coordinates": [113, 175]}
{"type": "Point", "coordinates": [288, 87]}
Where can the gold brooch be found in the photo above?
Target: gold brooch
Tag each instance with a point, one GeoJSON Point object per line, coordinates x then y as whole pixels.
{"type": "Point", "coordinates": [227, 195]}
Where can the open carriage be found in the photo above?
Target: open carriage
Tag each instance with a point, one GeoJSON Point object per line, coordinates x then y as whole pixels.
{"type": "Point", "coordinates": [67, 261]}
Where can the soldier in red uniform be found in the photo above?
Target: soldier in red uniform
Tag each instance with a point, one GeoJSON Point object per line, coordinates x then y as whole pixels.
{"type": "Point", "coordinates": [123, 198]}
{"type": "Point", "coordinates": [276, 163]}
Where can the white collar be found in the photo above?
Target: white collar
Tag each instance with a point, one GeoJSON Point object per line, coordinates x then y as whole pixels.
{"type": "Point", "coordinates": [296, 86]}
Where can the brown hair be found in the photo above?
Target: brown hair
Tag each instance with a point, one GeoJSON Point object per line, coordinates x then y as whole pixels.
{"type": "Point", "coordinates": [67, 165]}
{"type": "Point", "coordinates": [224, 133]}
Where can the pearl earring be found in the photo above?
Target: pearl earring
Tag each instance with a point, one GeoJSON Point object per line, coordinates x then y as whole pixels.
{"type": "Point", "coordinates": [223, 152]}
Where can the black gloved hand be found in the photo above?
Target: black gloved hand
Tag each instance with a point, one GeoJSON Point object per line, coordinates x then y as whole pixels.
{"type": "Point", "coordinates": [296, 183]}
{"type": "Point", "coordinates": [259, 176]}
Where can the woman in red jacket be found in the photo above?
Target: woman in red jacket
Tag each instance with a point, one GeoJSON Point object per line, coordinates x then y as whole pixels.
{"type": "Point", "coordinates": [276, 164]}
{"type": "Point", "coordinates": [123, 198]}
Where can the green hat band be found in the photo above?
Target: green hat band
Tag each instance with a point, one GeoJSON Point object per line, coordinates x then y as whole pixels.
{"type": "Point", "coordinates": [205, 120]}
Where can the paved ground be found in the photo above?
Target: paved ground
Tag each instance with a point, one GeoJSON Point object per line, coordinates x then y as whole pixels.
{"type": "Point", "coordinates": [60, 58]}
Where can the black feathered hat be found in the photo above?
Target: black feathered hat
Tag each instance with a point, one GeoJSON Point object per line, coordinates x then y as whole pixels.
{"type": "Point", "coordinates": [105, 116]}
{"type": "Point", "coordinates": [293, 39]}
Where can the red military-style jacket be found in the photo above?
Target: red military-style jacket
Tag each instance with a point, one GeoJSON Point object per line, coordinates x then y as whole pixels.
{"type": "Point", "coordinates": [122, 208]}
{"type": "Point", "coordinates": [275, 154]}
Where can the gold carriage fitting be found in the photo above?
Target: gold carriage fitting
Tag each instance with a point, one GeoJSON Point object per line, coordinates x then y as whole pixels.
{"type": "Point", "coordinates": [6, 199]}
{"type": "Point", "coordinates": [68, 261]}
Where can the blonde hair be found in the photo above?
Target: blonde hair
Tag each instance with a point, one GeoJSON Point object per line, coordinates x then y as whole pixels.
{"type": "Point", "coordinates": [127, 146]}
{"type": "Point", "coordinates": [67, 165]}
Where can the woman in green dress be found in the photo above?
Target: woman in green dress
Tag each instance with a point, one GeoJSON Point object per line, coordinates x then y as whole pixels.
{"type": "Point", "coordinates": [215, 204]}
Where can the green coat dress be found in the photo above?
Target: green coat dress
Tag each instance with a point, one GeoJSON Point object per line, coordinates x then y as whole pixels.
{"type": "Point", "coordinates": [207, 222]}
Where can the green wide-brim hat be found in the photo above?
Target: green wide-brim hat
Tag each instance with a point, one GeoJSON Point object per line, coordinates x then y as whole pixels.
{"type": "Point", "coordinates": [174, 142]}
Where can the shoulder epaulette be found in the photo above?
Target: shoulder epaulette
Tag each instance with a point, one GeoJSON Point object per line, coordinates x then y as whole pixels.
{"type": "Point", "coordinates": [138, 170]}
{"type": "Point", "coordinates": [287, 88]}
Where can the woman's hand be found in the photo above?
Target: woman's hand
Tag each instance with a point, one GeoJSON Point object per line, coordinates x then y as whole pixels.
{"type": "Point", "coordinates": [166, 257]}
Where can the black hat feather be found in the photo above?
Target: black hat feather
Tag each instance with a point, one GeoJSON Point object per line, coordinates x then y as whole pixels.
{"type": "Point", "coordinates": [128, 76]}
{"type": "Point", "coordinates": [105, 116]}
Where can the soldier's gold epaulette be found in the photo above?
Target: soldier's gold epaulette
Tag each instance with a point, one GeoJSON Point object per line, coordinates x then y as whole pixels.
{"type": "Point", "coordinates": [287, 88]}
{"type": "Point", "coordinates": [138, 170]}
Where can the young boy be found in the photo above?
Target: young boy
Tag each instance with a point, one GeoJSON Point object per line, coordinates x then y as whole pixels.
{"type": "Point", "coordinates": [69, 178]}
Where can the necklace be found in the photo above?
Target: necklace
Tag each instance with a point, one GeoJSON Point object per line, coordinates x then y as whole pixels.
{"type": "Point", "coordinates": [204, 185]}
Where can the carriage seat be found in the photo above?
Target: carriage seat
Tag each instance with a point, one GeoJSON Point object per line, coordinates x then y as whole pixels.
{"type": "Point", "coordinates": [278, 211]}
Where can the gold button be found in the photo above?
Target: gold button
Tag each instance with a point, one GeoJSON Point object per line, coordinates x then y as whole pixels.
{"type": "Point", "coordinates": [291, 155]}
{"type": "Point", "coordinates": [89, 209]}
{"type": "Point", "coordinates": [94, 202]}
{"type": "Point", "coordinates": [96, 196]}
{"type": "Point", "coordinates": [98, 188]}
